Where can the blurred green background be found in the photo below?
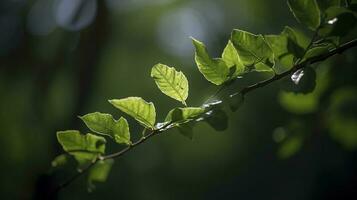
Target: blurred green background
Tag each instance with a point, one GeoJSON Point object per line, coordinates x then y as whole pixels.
{"type": "Point", "coordinates": [64, 58]}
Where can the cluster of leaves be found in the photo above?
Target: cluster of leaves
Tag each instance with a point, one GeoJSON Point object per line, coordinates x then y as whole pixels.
{"type": "Point", "coordinates": [245, 53]}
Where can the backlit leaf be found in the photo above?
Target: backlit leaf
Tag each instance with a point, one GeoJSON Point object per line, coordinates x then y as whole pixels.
{"type": "Point", "coordinates": [214, 70]}
{"type": "Point", "coordinates": [252, 49]}
{"type": "Point", "coordinates": [84, 148]}
{"type": "Point", "coordinates": [232, 60]}
{"type": "Point", "coordinates": [137, 108]}
{"type": "Point", "coordinates": [182, 114]}
{"type": "Point", "coordinates": [105, 124]}
{"type": "Point", "coordinates": [171, 82]}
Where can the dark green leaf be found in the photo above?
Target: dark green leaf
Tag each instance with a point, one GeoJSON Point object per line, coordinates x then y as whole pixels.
{"type": "Point", "coordinates": [235, 101]}
{"type": "Point", "coordinates": [338, 22]}
{"type": "Point", "coordinates": [290, 147]}
{"type": "Point", "coordinates": [99, 172]}
{"type": "Point", "coordinates": [297, 41]}
{"type": "Point", "coordinates": [316, 51]}
{"type": "Point", "coordinates": [217, 118]}
{"type": "Point", "coordinates": [214, 70]}
{"type": "Point", "coordinates": [306, 12]}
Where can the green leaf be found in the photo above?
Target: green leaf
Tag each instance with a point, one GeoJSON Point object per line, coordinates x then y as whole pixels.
{"type": "Point", "coordinates": [342, 117]}
{"type": "Point", "coordinates": [99, 173]}
{"type": "Point", "coordinates": [171, 82]}
{"type": "Point", "coordinates": [303, 80]}
{"type": "Point", "coordinates": [214, 70]}
{"type": "Point", "coordinates": [235, 101]}
{"type": "Point", "coordinates": [186, 129]}
{"type": "Point", "coordinates": [324, 4]}
{"type": "Point", "coordinates": [338, 22]}
{"type": "Point", "coordinates": [105, 124]}
{"type": "Point", "coordinates": [306, 12]}
{"type": "Point", "coordinates": [252, 49]}
{"type": "Point", "coordinates": [217, 119]}
{"type": "Point", "coordinates": [84, 148]}
{"type": "Point", "coordinates": [297, 41]}
{"type": "Point", "coordinates": [60, 160]}
{"type": "Point", "coordinates": [137, 108]}
{"type": "Point", "coordinates": [72, 141]}
{"type": "Point", "coordinates": [280, 46]}
{"type": "Point", "coordinates": [316, 51]}
{"type": "Point", "coordinates": [290, 147]}
{"type": "Point", "coordinates": [183, 114]}
{"type": "Point", "coordinates": [231, 58]}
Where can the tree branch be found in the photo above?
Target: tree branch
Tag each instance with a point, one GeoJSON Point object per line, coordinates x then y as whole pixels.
{"type": "Point", "coordinates": [244, 91]}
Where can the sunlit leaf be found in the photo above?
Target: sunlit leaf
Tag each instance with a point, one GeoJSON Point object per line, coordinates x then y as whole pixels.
{"type": "Point", "coordinates": [306, 12]}
{"type": "Point", "coordinates": [99, 172]}
{"type": "Point", "coordinates": [137, 108]}
{"type": "Point", "coordinates": [171, 82]}
{"type": "Point", "coordinates": [105, 124]}
{"type": "Point", "coordinates": [214, 70]}
{"type": "Point", "coordinates": [182, 114]}
{"type": "Point", "coordinates": [252, 49]}
{"type": "Point", "coordinates": [84, 148]}
{"type": "Point", "coordinates": [232, 60]}
{"type": "Point", "coordinates": [280, 46]}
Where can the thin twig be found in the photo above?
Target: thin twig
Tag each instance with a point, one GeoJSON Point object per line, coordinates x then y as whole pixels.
{"type": "Point", "coordinates": [244, 91]}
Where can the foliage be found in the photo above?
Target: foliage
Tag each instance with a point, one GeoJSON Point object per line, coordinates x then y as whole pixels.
{"type": "Point", "coordinates": [289, 53]}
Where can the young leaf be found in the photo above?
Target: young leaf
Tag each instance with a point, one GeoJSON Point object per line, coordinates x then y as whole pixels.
{"type": "Point", "coordinates": [182, 114]}
{"type": "Point", "coordinates": [171, 82]}
{"type": "Point", "coordinates": [252, 49]}
{"type": "Point", "coordinates": [231, 58]}
{"type": "Point", "coordinates": [99, 173]}
{"type": "Point", "coordinates": [306, 12]}
{"type": "Point", "coordinates": [105, 124]}
{"type": "Point", "coordinates": [214, 70]}
{"type": "Point", "coordinates": [137, 108]}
